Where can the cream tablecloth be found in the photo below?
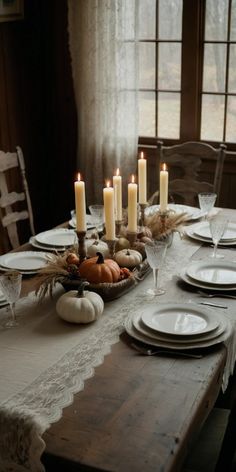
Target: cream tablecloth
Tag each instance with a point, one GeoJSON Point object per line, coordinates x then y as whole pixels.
{"type": "Point", "coordinates": [44, 361]}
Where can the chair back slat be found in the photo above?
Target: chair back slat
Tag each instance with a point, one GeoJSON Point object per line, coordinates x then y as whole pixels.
{"type": "Point", "coordinates": [10, 216]}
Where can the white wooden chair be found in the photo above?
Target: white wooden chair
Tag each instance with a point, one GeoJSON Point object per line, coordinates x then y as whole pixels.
{"type": "Point", "coordinates": [12, 211]}
{"type": "Point", "coordinates": [185, 162]}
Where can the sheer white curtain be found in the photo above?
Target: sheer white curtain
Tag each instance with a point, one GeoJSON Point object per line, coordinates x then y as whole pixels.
{"type": "Point", "coordinates": [104, 54]}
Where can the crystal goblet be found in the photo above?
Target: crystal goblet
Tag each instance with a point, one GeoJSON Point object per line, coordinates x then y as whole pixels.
{"type": "Point", "coordinates": [155, 251]}
{"type": "Point", "coordinates": [97, 213]}
{"type": "Point", "coordinates": [206, 202]}
{"type": "Point", "coordinates": [218, 225]}
{"type": "Point", "coordinates": [10, 284]}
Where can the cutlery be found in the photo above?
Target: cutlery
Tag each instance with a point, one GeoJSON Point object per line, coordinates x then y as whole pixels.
{"type": "Point", "coordinates": [213, 304]}
{"type": "Point", "coordinates": [219, 295]}
{"type": "Point", "coordinates": [153, 352]}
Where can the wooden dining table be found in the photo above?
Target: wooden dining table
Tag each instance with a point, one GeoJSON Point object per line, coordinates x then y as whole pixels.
{"type": "Point", "coordinates": [138, 412]}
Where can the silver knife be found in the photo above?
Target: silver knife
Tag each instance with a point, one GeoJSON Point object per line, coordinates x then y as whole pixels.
{"type": "Point", "coordinates": [213, 304]}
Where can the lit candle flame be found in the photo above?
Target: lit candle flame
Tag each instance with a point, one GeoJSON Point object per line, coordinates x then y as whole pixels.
{"type": "Point", "coordinates": [164, 166]}
{"type": "Point", "coordinates": [142, 155]}
{"type": "Point", "coordinates": [79, 176]}
{"type": "Point", "coordinates": [108, 183]}
{"type": "Point", "coordinates": [133, 179]}
{"type": "Point", "coordinates": [118, 171]}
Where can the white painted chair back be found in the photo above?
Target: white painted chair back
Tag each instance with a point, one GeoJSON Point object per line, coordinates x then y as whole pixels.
{"type": "Point", "coordinates": [10, 216]}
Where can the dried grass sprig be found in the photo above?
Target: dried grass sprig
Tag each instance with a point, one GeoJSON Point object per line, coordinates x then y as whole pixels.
{"type": "Point", "coordinates": [162, 226]}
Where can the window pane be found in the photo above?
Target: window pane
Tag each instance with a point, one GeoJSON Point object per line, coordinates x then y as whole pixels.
{"type": "Point", "coordinates": [147, 65]}
{"type": "Point", "coordinates": [170, 19]}
{"type": "Point", "coordinates": [147, 114]}
{"type": "Point", "coordinates": [233, 21]}
{"type": "Point", "coordinates": [216, 20]}
{"type": "Point", "coordinates": [169, 68]}
{"type": "Point", "coordinates": [147, 19]}
{"type": "Point", "coordinates": [232, 68]}
{"type": "Point", "coordinates": [231, 120]}
{"type": "Point", "coordinates": [214, 68]}
{"type": "Point", "coordinates": [212, 117]}
{"type": "Point", "coordinates": [168, 115]}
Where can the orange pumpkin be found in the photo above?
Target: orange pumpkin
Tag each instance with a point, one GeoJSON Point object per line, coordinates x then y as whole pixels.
{"type": "Point", "coordinates": [98, 270]}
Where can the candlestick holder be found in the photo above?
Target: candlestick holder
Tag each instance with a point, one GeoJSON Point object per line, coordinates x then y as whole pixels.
{"type": "Point", "coordinates": [111, 246]}
{"type": "Point", "coordinates": [81, 248]}
{"type": "Point", "coordinates": [142, 207]}
{"type": "Point", "coordinates": [132, 237]}
{"type": "Point", "coordinates": [118, 227]}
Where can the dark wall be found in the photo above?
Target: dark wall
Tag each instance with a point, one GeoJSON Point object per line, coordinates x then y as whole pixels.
{"type": "Point", "coordinates": [37, 109]}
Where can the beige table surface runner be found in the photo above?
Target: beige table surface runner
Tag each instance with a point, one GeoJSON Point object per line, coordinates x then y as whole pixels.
{"type": "Point", "coordinates": [44, 361]}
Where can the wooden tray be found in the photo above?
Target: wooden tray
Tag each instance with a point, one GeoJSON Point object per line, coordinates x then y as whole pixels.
{"type": "Point", "coordinates": [108, 291]}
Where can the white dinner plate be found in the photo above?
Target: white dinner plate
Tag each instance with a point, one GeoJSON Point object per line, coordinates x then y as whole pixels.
{"type": "Point", "coordinates": [140, 326]}
{"type": "Point", "coordinates": [72, 224]}
{"type": "Point", "coordinates": [134, 333]}
{"type": "Point", "coordinates": [191, 233]}
{"type": "Point", "coordinates": [185, 277]}
{"type": "Point", "coordinates": [44, 247]}
{"type": "Point", "coordinates": [191, 212]}
{"type": "Point", "coordinates": [24, 261]}
{"type": "Point", "coordinates": [213, 272]}
{"type": "Point", "coordinates": [183, 319]}
{"type": "Point", "coordinates": [203, 230]}
{"type": "Point", "coordinates": [57, 237]}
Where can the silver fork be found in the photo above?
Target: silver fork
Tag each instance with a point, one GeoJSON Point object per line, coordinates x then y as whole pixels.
{"type": "Point", "coordinates": [219, 295]}
{"type": "Point", "coordinates": [153, 352]}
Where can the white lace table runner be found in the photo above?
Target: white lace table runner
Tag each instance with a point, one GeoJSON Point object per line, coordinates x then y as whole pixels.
{"type": "Point", "coordinates": [45, 361]}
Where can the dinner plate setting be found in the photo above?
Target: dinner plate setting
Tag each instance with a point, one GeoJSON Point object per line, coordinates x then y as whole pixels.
{"type": "Point", "coordinates": [211, 275]}
{"type": "Point", "coordinates": [178, 326]}
{"type": "Point", "coordinates": [192, 213]}
{"type": "Point", "coordinates": [26, 262]}
{"type": "Point", "coordinates": [201, 232]}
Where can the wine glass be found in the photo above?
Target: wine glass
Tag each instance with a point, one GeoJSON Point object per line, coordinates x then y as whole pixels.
{"type": "Point", "coordinates": [206, 202]}
{"type": "Point", "coordinates": [155, 251]}
{"type": "Point", "coordinates": [218, 225]}
{"type": "Point", "coordinates": [10, 284]}
{"type": "Point", "coordinates": [97, 213]}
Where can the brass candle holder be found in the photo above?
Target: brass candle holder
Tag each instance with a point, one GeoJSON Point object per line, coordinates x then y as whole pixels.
{"type": "Point", "coordinates": [132, 237]}
{"type": "Point", "coordinates": [118, 227]}
{"type": "Point", "coordinates": [142, 207]}
{"type": "Point", "coordinates": [111, 246]}
{"type": "Point", "coordinates": [81, 247]}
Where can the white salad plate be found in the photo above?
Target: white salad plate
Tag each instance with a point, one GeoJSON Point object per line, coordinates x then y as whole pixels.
{"type": "Point", "coordinates": [140, 326]}
{"type": "Point", "coordinates": [213, 272]}
{"type": "Point", "coordinates": [171, 344]}
{"type": "Point", "coordinates": [191, 212]}
{"type": "Point", "coordinates": [57, 237]}
{"type": "Point", "coordinates": [185, 277]}
{"type": "Point", "coordinates": [203, 230]}
{"type": "Point", "coordinates": [24, 261]}
{"type": "Point", "coordinates": [185, 319]}
{"type": "Point", "coordinates": [191, 233]}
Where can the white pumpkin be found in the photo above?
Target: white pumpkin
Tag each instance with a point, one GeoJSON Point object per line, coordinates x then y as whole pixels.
{"type": "Point", "coordinates": [80, 306]}
{"type": "Point", "coordinates": [98, 246]}
{"type": "Point", "coordinates": [128, 258]}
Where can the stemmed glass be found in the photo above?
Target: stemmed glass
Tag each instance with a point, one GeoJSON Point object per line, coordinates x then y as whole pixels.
{"type": "Point", "coordinates": [97, 213]}
{"type": "Point", "coordinates": [10, 284]}
{"type": "Point", "coordinates": [218, 225]}
{"type": "Point", "coordinates": [155, 251]}
{"type": "Point", "coordinates": [206, 202]}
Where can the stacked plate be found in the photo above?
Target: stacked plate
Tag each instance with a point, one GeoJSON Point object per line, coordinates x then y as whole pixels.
{"type": "Point", "coordinates": [192, 213]}
{"type": "Point", "coordinates": [201, 232]}
{"type": "Point", "coordinates": [25, 262]}
{"type": "Point", "coordinates": [178, 326]}
{"type": "Point", "coordinates": [211, 274]}
{"type": "Point", "coordinates": [57, 239]}
{"type": "Point", "coordinates": [89, 222]}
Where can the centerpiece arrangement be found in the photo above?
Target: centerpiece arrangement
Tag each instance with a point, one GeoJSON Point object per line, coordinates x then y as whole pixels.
{"type": "Point", "coordinates": [115, 263]}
